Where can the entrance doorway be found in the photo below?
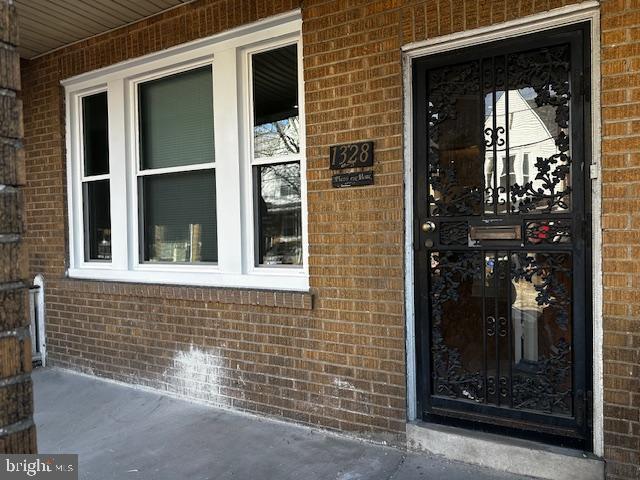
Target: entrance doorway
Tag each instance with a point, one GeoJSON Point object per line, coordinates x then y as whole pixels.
{"type": "Point", "coordinates": [502, 236]}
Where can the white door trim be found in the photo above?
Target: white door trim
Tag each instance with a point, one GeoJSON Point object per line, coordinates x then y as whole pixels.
{"type": "Point", "coordinates": [585, 11]}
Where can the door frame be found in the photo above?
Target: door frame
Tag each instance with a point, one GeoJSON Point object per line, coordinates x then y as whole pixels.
{"type": "Point", "coordinates": [565, 16]}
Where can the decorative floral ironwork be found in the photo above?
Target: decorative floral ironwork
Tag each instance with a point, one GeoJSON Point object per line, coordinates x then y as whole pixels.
{"type": "Point", "coordinates": [541, 232]}
{"type": "Point", "coordinates": [543, 270]}
{"type": "Point", "coordinates": [549, 388]}
{"type": "Point", "coordinates": [446, 85]}
{"type": "Point", "coordinates": [515, 283]}
{"type": "Point", "coordinates": [454, 233]}
{"type": "Point", "coordinates": [449, 270]}
{"type": "Point", "coordinates": [546, 71]}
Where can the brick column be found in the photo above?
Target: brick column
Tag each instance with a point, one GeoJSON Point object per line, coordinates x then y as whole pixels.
{"type": "Point", "coordinates": [17, 432]}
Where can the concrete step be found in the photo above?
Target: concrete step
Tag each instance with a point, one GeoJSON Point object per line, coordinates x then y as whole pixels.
{"type": "Point", "coordinates": [511, 455]}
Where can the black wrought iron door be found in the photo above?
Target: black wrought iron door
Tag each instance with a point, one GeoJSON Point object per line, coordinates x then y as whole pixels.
{"type": "Point", "coordinates": [502, 234]}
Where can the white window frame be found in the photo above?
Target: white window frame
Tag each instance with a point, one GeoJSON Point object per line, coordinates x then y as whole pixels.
{"type": "Point", "coordinates": [136, 172]}
{"type": "Point", "coordinates": [84, 178]}
{"type": "Point", "coordinates": [227, 53]}
{"type": "Point", "coordinates": [251, 223]}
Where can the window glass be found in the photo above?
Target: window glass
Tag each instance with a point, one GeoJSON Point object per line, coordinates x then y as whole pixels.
{"type": "Point", "coordinates": [275, 102]}
{"type": "Point", "coordinates": [97, 220]}
{"type": "Point", "coordinates": [180, 217]}
{"type": "Point", "coordinates": [176, 120]}
{"type": "Point", "coordinates": [95, 137]}
{"type": "Point", "coordinates": [279, 214]}
{"type": "Point", "coordinates": [170, 232]}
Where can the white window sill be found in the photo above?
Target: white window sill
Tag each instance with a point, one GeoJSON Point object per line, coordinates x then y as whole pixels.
{"type": "Point", "coordinates": [297, 280]}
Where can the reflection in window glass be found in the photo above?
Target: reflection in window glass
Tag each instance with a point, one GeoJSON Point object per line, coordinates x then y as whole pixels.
{"type": "Point", "coordinates": [507, 169]}
{"type": "Point", "coordinates": [95, 136]}
{"type": "Point", "coordinates": [275, 102]}
{"type": "Point", "coordinates": [97, 220]}
{"type": "Point", "coordinates": [95, 193]}
{"type": "Point", "coordinates": [279, 214]}
{"type": "Point", "coordinates": [180, 217]}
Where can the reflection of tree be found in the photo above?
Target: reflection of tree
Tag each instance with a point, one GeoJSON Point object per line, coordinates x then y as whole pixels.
{"type": "Point", "coordinates": [279, 213]}
{"type": "Point", "coordinates": [279, 199]}
{"type": "Point", "coordinates": [291, 142]}
{"type": "Point", "coordinates": [281, 137]}
{"type": "Point", "coordinates": [281, 174]}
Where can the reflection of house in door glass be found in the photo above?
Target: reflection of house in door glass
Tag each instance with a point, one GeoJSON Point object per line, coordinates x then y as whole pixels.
{"type": "Point", "coordinates": [532, 132]}
{"type": "Point", "coordinates": [528, 133]}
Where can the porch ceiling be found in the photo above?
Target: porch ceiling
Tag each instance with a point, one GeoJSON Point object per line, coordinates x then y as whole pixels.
{"type": "Point", "coordinates": [49, 24]}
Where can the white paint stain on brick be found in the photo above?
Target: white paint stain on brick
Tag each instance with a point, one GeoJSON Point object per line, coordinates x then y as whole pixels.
{"type": "Point", "coordinates": [338, 382]}
{"type": "Point", "coordinates": [196, 374]}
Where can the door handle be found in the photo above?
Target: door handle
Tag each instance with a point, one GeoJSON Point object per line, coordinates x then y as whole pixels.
{"type": "Point", "coordinates": [428, 227]}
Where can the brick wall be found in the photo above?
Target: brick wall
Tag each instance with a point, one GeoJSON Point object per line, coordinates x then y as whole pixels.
{"type": "Point", "coordinates": [17, 433]}
{"type": "Point", "coordinates": [339, 364]}
{"type": "Point", "coordinates": [621, 236]}
{"type": "Point", "coordinates": [337, 359]}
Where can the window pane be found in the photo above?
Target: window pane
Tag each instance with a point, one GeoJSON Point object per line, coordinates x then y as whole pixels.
{"type": "Point", "coordinates": [279, 214]}
{"type": "Point", "coordinates": [176, 120]}
{"type": "Point", "coordinates": [97, 220]}
{"type": "Point", "coordinates": [95, 134]}
{"type": "Point", "coordinates": [180, 217]}
{"type": "Point", "coordinates": [275, 102]}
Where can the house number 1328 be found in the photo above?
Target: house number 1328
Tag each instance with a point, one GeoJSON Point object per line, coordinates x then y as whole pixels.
{"type": "Point", "coordinates": [351, 155]}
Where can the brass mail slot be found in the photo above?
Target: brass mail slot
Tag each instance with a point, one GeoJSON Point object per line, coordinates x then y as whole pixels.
{"type": "Point", "coordinates": [496, 232]}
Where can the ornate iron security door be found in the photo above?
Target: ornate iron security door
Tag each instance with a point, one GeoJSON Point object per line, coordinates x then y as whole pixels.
{"type": "Point", "coordinates": [502, 235]}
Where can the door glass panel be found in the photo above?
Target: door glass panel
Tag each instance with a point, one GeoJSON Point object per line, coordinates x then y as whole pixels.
{"type": "Point", "coordinates": [537, 113]}
{"type": "Point", "coordinates": [455, 148]}
{"type": "Point", "coordinates": [542, 331]}
{"type": "Point", "coordinates": [456, 331]}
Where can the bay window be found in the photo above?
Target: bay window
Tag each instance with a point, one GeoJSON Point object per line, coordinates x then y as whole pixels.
{"type": "Point", "coordinates": [187, 166]}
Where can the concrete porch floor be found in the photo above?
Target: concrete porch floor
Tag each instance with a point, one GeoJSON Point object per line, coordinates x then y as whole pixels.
{"type": "Point", "coordinates": [125, 433]}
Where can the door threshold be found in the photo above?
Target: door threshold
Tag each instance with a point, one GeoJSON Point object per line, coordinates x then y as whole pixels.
{"type": "Point", "coordinates": [512, 455]}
